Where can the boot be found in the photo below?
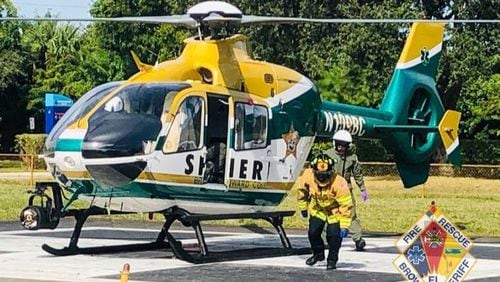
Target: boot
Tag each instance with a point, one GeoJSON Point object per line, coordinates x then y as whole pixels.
{"type": "Point", "coordinates": [314, 259]}
{"type": "Point", "coordinates": [330, 265]}
{"type": "Point", "coordinates": [360, 245]}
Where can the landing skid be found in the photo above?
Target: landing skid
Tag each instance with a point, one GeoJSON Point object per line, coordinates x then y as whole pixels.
{"type": "Point", "coordinates": [204, 256]}
{"type": "Point", "coordinates": [67, 251]}
{"type": "Point", "coordinates": [81, 216]}
{"type": "Point", "coordinates": [165, 240]}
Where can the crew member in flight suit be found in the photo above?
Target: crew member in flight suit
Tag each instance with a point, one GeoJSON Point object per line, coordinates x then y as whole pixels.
{"type": "Point", "coordinates": [347, 165]}
{"type": "Point", "coordinates": [325, 196]}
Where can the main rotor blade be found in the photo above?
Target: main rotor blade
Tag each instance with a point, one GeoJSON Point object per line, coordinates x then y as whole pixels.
{"type": "Point", "coordinates": [187, 21]}
{"type": "Point", "coordinates": [180, 20]}
{"type": "Point", "coordinates": [249, 19]}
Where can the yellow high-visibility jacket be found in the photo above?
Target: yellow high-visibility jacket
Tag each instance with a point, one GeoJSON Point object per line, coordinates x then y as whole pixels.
{"type": "Point", "coordinates": [331, 203]}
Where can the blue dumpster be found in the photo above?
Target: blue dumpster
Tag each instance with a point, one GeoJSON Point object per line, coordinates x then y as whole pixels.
{"type": "Point", "coordinates": [55, 107]}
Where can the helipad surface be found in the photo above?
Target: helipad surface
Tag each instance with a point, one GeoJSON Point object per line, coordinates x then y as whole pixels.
{"type": "Point", "coordinates": [22, 259]}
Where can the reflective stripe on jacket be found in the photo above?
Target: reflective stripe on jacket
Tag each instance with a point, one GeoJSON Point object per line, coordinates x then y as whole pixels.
{"type": "Point", "coordinates": [331, 203]}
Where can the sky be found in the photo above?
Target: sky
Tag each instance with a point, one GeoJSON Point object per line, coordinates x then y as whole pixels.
{"type": "Point", "coordinates": [60, 8]}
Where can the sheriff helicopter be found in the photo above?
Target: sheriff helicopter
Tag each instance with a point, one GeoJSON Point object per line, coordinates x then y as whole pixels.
{"type": "Point", "coordinates": [216, 134]}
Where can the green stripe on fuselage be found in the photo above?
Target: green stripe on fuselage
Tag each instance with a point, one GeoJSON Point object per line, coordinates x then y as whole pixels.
{"type": "Point", "coordinates": [69, 145]}
{"type": "Point", "coordinates": [301, 113]}
{"type": "Point", "coordinates": [184, 193]}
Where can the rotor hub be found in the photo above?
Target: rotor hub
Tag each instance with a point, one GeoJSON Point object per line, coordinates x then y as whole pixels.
{"type": "Point", "coordinates": [215, 12]}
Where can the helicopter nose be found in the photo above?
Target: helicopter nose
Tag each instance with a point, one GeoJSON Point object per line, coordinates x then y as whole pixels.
{"type": "Point", "coordinates": [114, 147]}
{"type": "Point", "coordinates": [116, 175]}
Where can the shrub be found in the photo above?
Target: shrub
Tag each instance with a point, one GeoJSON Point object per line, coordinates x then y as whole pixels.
{"type": "Point", "coordinates": [31, 144]}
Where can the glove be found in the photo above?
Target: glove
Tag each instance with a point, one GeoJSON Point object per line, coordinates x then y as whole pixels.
{"type": "Point", "coordinates": [364, 195]}
{"type": "Point", "coordinates": [343, 232]}
{"type": "Point", "coordinates": [304, 213]}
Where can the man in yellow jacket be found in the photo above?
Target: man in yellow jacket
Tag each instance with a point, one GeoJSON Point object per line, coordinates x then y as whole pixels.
{"type": "Point", "coordinates": [325, 196]}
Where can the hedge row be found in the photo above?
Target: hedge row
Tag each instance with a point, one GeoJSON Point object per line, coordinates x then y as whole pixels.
{"type": "Point", "coordinates": [473, 151]}
{"type": "Point", "coordinates": [31, 144]}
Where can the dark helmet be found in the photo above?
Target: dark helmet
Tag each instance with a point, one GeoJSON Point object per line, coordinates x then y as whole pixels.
{"type": "Point", "coordinates": [322, 166]}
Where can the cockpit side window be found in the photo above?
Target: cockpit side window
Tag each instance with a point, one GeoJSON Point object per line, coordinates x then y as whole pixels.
{"type": "Point", "coordinates": [78, 110]}
{"type": "Point", "coordinates": [185, 130]}
{"type": "Point", "coordinates": [250, 126]}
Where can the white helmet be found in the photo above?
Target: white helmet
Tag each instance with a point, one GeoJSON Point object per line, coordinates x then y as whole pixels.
{"type": "Point", "coordinates": [342, 136]}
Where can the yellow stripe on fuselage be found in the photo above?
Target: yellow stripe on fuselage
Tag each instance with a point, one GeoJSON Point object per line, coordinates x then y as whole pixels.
{"type": "Point", "coordinates": [77, 174]}
{"type": "Point", "coordinates": [162, 178]}
{"type": "Point", "coordinates": [188, 179]}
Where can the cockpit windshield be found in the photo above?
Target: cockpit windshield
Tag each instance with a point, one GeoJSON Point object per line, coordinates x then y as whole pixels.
{"type": "Point", "coordinates": [129, 121]}
{"type": "Point", "coordinates": [77, 111]}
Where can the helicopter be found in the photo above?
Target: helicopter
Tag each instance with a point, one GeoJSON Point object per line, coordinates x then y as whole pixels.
{"type": "Point", "coordinates": [216, 134]}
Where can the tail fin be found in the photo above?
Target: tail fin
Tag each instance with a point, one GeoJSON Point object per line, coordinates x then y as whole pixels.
{"type": "Point", "coordinates": [448, 129]}
{"type": "Point", "coordinates": [422, 49]}
{"type": "Point", "coordinates": [416, 173]}
{"type": "Point", "coordinates": [411, 118]}
{"type": "Point", "coordinates": [415, 71]}
{"type": "Point", "coordinates": [414, 102]}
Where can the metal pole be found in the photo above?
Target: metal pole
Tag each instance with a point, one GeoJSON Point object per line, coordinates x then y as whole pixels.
{"type": "Point", "coordinates": [32, 168]}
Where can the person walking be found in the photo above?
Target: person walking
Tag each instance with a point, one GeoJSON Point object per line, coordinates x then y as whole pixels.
{"type": "Point", "coordinates": [346, 164]}
{"type": "Point", "coordinates": [325, 197]}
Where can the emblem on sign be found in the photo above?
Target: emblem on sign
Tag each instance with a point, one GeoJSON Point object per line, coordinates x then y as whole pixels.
{"type": "Point", "coordinates": [434, 250]}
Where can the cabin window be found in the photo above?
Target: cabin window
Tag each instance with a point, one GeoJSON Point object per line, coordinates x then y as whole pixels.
{"type": "Point", "coordinates": [250, 126]}
{"type": "Point", "coordinates": [185, 131]}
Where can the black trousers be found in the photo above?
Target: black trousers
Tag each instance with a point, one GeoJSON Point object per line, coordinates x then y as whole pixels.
{"type": "Point", "coordinates": [316, 226]}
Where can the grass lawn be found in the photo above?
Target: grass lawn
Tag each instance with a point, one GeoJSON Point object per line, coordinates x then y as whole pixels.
{"type": "Point", "coordinates": [471, 204]}
{"type": "Point", "coordinates": [12, 165]}
{"type": "Point", "coordinates": [13, 198]}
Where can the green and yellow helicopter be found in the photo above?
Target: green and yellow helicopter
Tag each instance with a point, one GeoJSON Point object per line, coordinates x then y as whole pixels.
{"type": "Point", "coordinates": [215, 132]}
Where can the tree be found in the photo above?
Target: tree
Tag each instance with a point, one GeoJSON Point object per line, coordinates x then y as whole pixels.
{"type": "Point", "coordinates": [470, 63]}
{"type": "Point", "coordinates": [352, 63]}
{"type": "Point", "coordinates": [71, 62]}
{"type": "Point", "coordinates": [153, 43]}
{"type": "Point", "coordinates": [56, 54]}
{"type": "Point", "coordinates": [13, 78]}
{"type": "Point", "coordinates": [10, 58]}
{"type": "Point", "coordinates": [365, 55]}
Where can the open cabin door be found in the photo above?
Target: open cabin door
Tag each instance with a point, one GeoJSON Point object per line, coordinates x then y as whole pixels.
{"type": "Point", "coordinates": [246, 162]}
{"type": "Point", "coordinates": [216, 136]}
{"type": "Point", "coordinates": [183, 152]}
